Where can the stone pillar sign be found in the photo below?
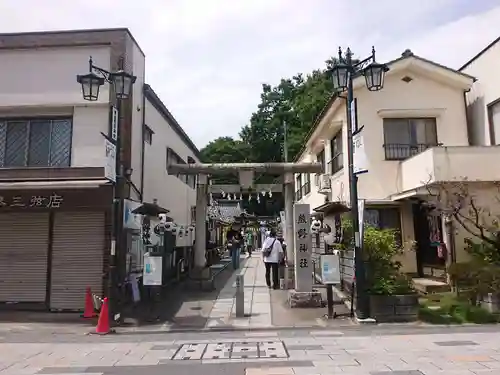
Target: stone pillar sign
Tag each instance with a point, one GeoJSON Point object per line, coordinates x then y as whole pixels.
{"type": "Point", "coordinates": [303, 247]}
{"type": "Point", "coordinates": [303, 295]}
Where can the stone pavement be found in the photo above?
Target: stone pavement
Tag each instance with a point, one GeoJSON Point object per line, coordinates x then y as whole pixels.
{"type": "Point", "coordinates": [257, 299]}
{"type": "Point", "coordinates": [357, 350]}
{"type": "Point", "coordinates": [265, 308]}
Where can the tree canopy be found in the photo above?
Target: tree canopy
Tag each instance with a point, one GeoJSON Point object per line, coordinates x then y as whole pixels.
{"type": "Point", "coordinates": [297, 100]}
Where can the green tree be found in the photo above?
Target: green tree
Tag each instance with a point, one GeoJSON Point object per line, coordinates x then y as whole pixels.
{"type": "Point", "coordinates": [225, 150]}
{"type": "Point", "coordinates": [298, 101]}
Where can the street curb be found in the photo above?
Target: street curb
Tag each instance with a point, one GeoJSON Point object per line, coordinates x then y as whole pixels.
{"type": "Point", "coordinates": [231, 329]}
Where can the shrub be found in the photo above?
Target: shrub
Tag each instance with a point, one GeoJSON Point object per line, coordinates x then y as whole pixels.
{"type": "Point", "coordinates": [380, 247]}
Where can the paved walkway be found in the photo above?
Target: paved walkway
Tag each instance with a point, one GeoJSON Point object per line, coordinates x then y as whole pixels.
{"type": "Point", "coordinates": [257, 299]}
{"type": "Point", "coordinates": [349, 351]}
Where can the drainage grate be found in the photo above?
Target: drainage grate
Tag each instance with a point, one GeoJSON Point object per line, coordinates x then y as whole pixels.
{"type": "Point", "coordinates": [231, 350]}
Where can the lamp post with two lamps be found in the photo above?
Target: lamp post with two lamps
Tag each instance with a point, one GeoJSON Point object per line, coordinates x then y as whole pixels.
{"type": "Point", "coordinates": [343, 74]}
{"type": "Point", "coordinates": [122, 83]}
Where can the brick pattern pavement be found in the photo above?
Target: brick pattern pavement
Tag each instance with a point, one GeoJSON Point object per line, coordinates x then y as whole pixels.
{"type": "Point", "coordinates": [317, 352]}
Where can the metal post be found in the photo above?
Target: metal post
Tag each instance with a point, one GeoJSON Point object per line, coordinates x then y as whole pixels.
{"type": "Point", "coordinates": [240, 295]}
{"type": "Point", "coordinates": [115, 221]}
{"type": "Point", "coordinates": [200, 225]}
{"type": "Point", "coordinates": [361, 296]}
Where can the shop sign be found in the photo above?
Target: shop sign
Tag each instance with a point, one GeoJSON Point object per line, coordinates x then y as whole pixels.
{"type": "Point", "coordinates": [35, 201]}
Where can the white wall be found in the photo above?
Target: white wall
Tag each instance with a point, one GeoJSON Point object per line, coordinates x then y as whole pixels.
{"type": "Point", "coordinates": [47, 76]}
{"type": "Point", "coordinates": [422, 97]}
{"type": "Point", "coordinates": [137, 115]}
{"type": "Point", "coordinates": [484, 91]}
{"type": "Point", "coordinates": [42, 82]}
{"type": "Point", "coordinates": [171, 192]}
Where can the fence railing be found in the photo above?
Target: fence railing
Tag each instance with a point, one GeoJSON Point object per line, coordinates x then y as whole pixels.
{"type": "Point", "coordinates": [401, 151]}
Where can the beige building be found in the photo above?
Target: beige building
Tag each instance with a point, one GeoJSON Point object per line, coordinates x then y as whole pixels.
{"type": "Point", "coordinates": [56, 193]}
{"type": "Point", "coordinates": [415, 138]}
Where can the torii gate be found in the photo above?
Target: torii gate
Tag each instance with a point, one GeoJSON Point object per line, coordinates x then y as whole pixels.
{"type": "Point", "coordinates": [246, 173]}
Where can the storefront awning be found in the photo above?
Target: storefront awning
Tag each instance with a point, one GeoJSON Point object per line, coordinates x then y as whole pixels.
{"type": "Point", "coordinates": [71, 184]}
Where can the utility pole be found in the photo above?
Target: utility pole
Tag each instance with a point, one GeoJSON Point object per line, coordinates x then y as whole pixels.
{"type": "Point", "coordinates": [343, 75]}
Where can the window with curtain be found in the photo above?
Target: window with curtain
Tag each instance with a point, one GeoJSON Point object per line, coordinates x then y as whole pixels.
{"type": "Point", "coordinates": [405, 137]}
{"type": "Point", "coordinates": [174, 158]}
{"type": "Point", "coordinates": [298, 187]}
{"type": "Point", "coordinates": [191, 179]}
{"type": "Point", "coordinates": [306, 188]}
{"type": "Point", "coordinates": [384, 218]}
{"type": "Point", "coordinates": [494, 120]}
{"type": "Point", "coordinates": [321, 158]}
{"type": "Point", "coordinates": [337, 161]}
{"type": "Point", "coordinates": [40, 142]}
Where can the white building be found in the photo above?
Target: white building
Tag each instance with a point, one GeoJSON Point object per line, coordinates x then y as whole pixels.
{"type": "Point", "coordinates": [415, 136]}
{"type": "Point", "coordinates": [483, 100]}
{"type": "Point", "coordinates": [55, 197]}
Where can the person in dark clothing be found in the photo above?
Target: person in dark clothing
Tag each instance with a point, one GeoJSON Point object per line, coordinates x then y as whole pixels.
{"type": "Point", "coordinates": [234, 242]}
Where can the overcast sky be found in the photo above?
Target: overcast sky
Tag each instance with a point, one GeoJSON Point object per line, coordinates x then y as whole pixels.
{"type": "Point", "coordinates": [215, 54]}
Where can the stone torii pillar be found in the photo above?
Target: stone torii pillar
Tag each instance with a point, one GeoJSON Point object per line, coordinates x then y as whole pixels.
{"type": "Point", "coordinates": [246, 173]}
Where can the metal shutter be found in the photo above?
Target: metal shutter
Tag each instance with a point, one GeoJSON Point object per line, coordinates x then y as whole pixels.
{"type": "Point", "coordinates": [23, 256]}
{"type": "Point", "coordinates": [77, 258]}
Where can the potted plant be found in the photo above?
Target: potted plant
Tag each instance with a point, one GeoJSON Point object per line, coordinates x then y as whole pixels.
{"type": "Point", "coordinates": [392, 297]}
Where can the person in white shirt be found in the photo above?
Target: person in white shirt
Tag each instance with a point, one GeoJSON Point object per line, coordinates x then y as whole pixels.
{"type": "Point", "coordinates": [272, 253]}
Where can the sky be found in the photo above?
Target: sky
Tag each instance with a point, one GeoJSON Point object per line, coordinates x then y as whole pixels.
{"type": "Point", "coordinates": [208, 59]}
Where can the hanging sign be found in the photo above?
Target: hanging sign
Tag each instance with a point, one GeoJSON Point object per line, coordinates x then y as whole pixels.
{"type": "Point", "coordinates": [114, 124]}
{"type": "Point", "coordinates": [110, 161]}
{"type": "Point", "coordinates": [359, 154]}
{"type": "Point", "coordinates": [152, 273]}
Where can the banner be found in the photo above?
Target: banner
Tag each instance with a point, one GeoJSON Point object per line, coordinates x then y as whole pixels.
{"type": "Point", "coordinates": [110, 161]}
{"type": "Point", "coordinates": [359, 158]}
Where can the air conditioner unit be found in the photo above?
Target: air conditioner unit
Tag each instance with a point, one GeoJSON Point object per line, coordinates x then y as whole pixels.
{"type": "Point", "coordinates": [325, 184]}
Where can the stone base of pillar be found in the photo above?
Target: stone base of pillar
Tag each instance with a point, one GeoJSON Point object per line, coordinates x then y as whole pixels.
{"type": "Point", "coordinates": [304, 299]}
{"type": "Point", "coordinates": [289, 282]}
{"type": "Point", "coordinates": [198, 273]}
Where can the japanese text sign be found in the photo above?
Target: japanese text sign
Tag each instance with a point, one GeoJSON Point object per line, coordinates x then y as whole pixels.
{"type": "Point", "coordinates": [52, 200]}
{"type": "Point", "coordinates": [303, 247]}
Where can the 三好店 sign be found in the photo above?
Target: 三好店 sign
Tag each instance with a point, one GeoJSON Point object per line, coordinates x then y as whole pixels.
{"type": "Point", "coordinates": [303, 247]}
{"type": "Point", "coordinates": [52, 200]}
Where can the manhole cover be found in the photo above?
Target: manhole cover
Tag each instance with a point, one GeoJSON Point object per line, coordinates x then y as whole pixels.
{"type": "Point", "coordinates": [231, 350]}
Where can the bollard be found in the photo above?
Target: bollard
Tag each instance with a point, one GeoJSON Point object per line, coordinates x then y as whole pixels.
{"type": "Point", "coordinates": [240, 296]}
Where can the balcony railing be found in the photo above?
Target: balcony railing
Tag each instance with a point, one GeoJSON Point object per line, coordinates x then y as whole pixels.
{"type": "Point", "coordinates": [336, 164]}
{"type": "Point", "coordinates": [401, 151]}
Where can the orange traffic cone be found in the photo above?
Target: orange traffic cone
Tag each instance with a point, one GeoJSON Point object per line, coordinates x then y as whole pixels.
{"type": "Point", "coordinates": [89, 312]}
{"type": "Point", "coordinates": [103, 327]}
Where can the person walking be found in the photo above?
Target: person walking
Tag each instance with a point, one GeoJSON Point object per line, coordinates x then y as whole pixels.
{"type": "Point", "coordinates": [249, 242]}
{"type": "Point", "coordinates": [234, 242]}
{"type": "Point", "coordinates": [272, 253]}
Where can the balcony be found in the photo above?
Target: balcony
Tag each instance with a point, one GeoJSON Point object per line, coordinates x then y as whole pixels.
{"type": "Point", "coordinates": [454, 163]}
{"type": "Point", "coordinates": [402, 151]}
